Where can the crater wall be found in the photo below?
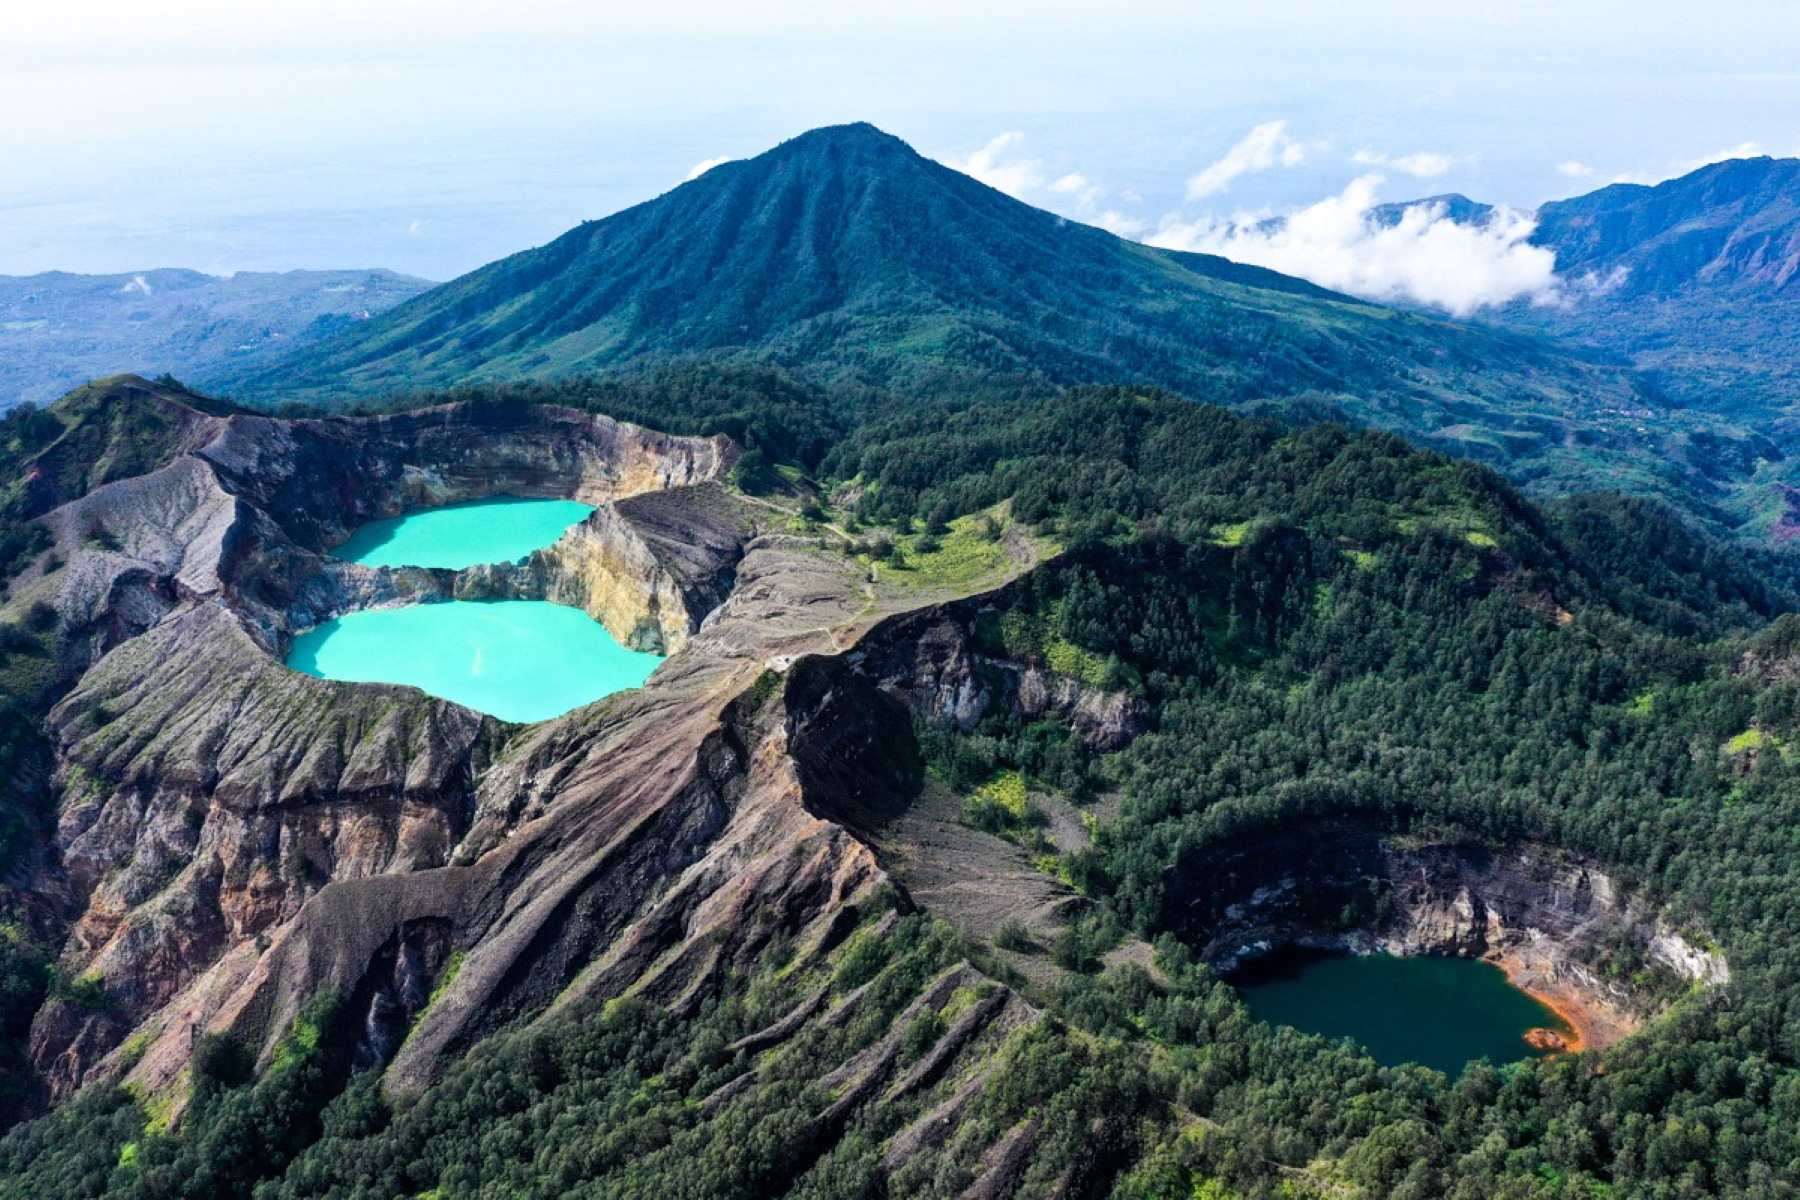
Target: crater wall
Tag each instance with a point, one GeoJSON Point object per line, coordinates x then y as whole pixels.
{"type": "Point", "coordinates": [1560, 926]}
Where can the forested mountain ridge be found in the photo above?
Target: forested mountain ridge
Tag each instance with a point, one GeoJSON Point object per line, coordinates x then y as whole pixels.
{"type": "Point", "coordinates": [844, 257]}
{"type": "Point", "coordinates": [1241, 632]}
{"type": "Point", "coordinates": [1730, 223]}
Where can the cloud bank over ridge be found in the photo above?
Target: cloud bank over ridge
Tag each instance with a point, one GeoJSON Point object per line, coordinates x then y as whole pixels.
{"type": "Point", "coordinates": [1424, 257]}
{"type": "Point", "coordinates": [1341, 242]}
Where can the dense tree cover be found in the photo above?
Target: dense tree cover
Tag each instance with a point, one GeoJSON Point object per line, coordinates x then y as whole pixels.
{"type": "Point", "coordinates": [1325, 625]}
{"type": "Point", "coordinates": [235, 1131]}
{"type": "Point", "coordinates": [1399, 639]}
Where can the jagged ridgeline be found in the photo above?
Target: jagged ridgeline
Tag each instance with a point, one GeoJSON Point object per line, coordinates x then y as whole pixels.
{"type": "Point", "coordinates": [989, 733]}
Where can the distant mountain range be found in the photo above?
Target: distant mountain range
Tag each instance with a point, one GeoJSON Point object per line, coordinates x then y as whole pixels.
{"type": "Point", "coordinates": [59, 330]}
{"type": "Point", "coordinates": [844, 257]}
{"type": "Point", "coordinates": [1733, 224]}
{"type": "Point", "coordinates": [1696, 280]}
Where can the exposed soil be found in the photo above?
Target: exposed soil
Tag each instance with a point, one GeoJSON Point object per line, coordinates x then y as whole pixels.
{"type": "Point", "coordinates": [1590, 1024]}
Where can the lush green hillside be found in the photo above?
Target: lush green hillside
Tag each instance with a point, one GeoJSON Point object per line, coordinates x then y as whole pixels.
{"type": "Point", "coordinates": [1325, 626]}
{"type": "Point", "coordinates": [844, 256]}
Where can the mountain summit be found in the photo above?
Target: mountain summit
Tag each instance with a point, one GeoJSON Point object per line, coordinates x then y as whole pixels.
{"type": "Point", "coordinates": [845, 255]}
{"type": "Point", "coordinates": [842, 244]}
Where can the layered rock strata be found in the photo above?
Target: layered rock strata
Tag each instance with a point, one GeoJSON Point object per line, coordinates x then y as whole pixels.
{"type": "Point", "coordinates": [1549, 918]}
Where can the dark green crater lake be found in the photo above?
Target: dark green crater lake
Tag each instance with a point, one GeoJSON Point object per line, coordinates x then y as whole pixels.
{"type": "Point", "coordinates": [1441, 1012]}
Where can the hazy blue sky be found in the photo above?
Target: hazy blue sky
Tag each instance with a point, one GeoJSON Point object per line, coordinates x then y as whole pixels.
{"type": "Point", "coordinates": [432, 137]}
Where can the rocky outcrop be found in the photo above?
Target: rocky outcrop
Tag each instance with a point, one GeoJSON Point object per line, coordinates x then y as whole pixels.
{"type": "Point", "coordinates": [320, 479]}
{"type": "Point", "coordinates": [115, 428]}
{"type": "Point", "coordinates": [1550, 918]}
{"type": "Point", "coordinates": [935, 662]}
{"type": "Point", "coordinates": [243, 508]}
{"type": "Point", "coordinates": [653, 843]}
{"type": "Point", "coordinates": [649, 568]}
{"type": "Point", "coordinates": [209, 794]}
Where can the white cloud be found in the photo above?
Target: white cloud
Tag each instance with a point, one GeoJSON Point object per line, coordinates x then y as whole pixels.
{"type": "Point", "coordinates": [995, 165]}
{"type": "Point", "coordinates": [137, 283]}
{"type": "Point", "coordinates": [1265, 147]}
{"type": "Point", "coordinates": [1422, 164]}
{"type": "Point", "coordinates": [1084, 192]}
{"type": "Point", "coordinates": [416, 227]}
{"type": "Point", "coordinates": [1424, 257]}
{"type": "Point", "coordinates": [1574, 170]}
{"type": "Point", "coordinates": [1679, 167]}
{"type": "Point", "coordinates": [1123, 224]}
{"type": "Point", "coordinates": [1073, 194]}
{"type": "Point", "coordinates": [703, 166]}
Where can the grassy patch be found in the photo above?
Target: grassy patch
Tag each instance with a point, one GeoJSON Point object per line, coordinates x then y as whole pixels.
{"type": "Point", "coordinates": [87, 991]}
{"type": "Point", "coordinates": [1230, 535]}
{"type": "Point", "coordinates": [1026, 635]}
{"type": "Point", "coordinates": [969, 552]}
{"type": "Point", "coordinates": [765, 686]}
{"type": "Point", "coordinates": [301, 1043]}
{"type": "Point", "coordinates": [451, 969]}
{"type": "Point", "coordinates": [1752, 740]}
{"type": "Point", "coordinates": [1006, 790]}
{"type": "Point", "coordinates": [1456, 522]}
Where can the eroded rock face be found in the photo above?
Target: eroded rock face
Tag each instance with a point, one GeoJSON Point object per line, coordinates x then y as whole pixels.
{"type": "Point", "coordinates": [208, 793]}
{"type": "Point", "coordinates": [653, 842]}
{"type": "Point", "coordinates": [648, 567]}
{"type": "Point", "coordinates": [933, 660]}
{"type": "Point", "coordinates": [1548, 917]}
{"type": "Point", "coordinates": [236, 838]}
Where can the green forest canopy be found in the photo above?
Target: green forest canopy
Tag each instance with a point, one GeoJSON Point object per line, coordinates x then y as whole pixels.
{"type": "Point", "coordinates": [1325, 624]}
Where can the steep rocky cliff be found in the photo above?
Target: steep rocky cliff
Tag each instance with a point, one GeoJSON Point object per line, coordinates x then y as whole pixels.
{"type": "Point", "coordinates": [207, 793]}
{"type": "Point", "coordinates": [648, 567]}
{"type": "Point", "coordinates": [235, 838]}
{"type": "Point", "coordinates": [1551, 919]}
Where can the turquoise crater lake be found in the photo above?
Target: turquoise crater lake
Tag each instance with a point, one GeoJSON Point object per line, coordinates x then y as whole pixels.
{"type": "Point", "coordinates": [519, 660]}
{"type": "Point", "coordinates": [498, 529]}
{"type": "Point", "coordinates": [1441, 1012]}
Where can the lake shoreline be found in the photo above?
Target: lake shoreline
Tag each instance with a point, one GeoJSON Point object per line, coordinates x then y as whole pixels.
{"type": "Point", "coordinates": [1591, 1024]}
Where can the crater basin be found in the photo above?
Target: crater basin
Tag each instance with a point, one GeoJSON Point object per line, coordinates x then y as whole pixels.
{"type": "Point", "coordinates": [1438, 1011]}
{"type": "Point", "coordinates": [497, 529]}
{"type": "Point", "coordinates": [519, 660]}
